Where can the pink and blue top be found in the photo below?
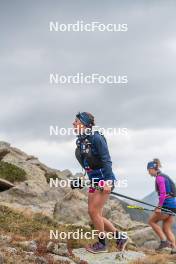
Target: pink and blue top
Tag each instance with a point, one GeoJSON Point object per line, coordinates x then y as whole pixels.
{"type": "Point", "coordinates": [166, 190]}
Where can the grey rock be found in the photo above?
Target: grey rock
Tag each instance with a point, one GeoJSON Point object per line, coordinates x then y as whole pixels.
{"type": "Point", "coordinates": [3, 152]}
{"type": "Point", "coordinates": [28, 245]}
{"type": "Point", "coordinates": [57, 248]}
{"type": "Point", "coordinates": [141, 236]}
{"type": "Point", "coordinates": [153, 244]}
{"type": "Point", "coordinates": [4, 144]}
{"type": "Point", "coordinates": [40, 260]}
{"type": "Point", "coordinates": [29, 197]}
{"type": "Point", "coordinates": [35, 259]}
{"type": "Point", "coordinates": [1, 259]}
{"type": "Point", "coordinates": [108, 258]}
{"type": "Point", "coordinates": [61, 259]}
{"type": "Point", "coordinates": [19, 158]}
{"type": "Point", "coordinates": [5, 239]}
{"type": "Point", "coordinates": [11, 250]}
{"type": "Point", "coordinates": [166, 250]}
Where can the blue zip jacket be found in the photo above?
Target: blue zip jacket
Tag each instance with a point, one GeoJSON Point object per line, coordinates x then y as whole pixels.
{"type": "Point", "coordinates": [99, 148]}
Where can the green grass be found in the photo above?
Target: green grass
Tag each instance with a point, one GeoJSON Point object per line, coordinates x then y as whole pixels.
{"type": "Point", "coordinates": [17, 223]}
{"type": "Point", "coordinates": [38, 227]}
{"type": "Point", "coordinates": [11, 172]}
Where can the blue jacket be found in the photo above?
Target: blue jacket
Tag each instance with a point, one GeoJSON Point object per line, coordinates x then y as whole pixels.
{"type": "Point", "coordinates": [99, 149]}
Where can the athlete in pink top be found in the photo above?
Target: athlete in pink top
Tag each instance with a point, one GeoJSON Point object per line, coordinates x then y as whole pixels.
{"type": "Point", "coordinates": [166, 191]}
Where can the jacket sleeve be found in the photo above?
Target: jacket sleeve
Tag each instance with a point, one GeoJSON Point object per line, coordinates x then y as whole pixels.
{"type": "Point", "coordinates": [160, 181]}
{"type": "Point", "coordinates": [103, 152]}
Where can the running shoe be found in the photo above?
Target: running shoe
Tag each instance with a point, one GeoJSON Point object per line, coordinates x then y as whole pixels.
{"type": "Point", "coordinates": [163, 245]}
{"type": "Point", "coordinates": [121, 243]}
{"type": "Point", "coordinates": [97, 248]}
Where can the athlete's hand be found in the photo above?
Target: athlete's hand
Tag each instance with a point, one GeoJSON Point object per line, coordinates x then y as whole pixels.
{"type": "Point", "coordinates": [158, 210]}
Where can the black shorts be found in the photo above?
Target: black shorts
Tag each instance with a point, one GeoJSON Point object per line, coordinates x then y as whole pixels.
{"type": "Point", "coordinates": [171, 209]}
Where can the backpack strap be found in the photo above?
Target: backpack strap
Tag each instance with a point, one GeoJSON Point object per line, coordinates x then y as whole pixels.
{"type": "Point", "coordinates": [172, 186]}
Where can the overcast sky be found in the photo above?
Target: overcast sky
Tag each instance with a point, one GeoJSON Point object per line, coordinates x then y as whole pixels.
{"type": "Point", "coordinates": [146, 53]}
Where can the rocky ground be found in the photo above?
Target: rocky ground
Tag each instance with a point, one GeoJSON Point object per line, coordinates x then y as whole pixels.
{"type": "Point", "coordinates": [31, 208]}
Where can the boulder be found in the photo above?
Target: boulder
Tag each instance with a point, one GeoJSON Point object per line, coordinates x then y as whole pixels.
{"type": "Point", "coordinates": [30, 246]}
{"type": "Point", "coordinates": [60, 259]}
{"type": "Point", "coordinates": [29, 197]}
{"type": "Point", "coordinates": [108, 258]}
{"type": "Point", "coordinates": [151, 244]}
{"type": "Point", "coordinates": [58, 249]}
{"type": "Point", "coordinates": [141, 236]}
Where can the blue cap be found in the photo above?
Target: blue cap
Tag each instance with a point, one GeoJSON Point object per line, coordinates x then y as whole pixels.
{"type": "Point", "coordinates": [85, 119]}
{"type": "Point", "coordinates": [152, 165]}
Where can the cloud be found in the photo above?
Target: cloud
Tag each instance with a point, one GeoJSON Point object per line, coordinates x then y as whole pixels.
{"type": "Point", "coordinates": [146, 53]}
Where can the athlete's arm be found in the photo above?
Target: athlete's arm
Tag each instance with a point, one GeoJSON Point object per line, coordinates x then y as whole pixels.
{"type": "Point", "coordinates": [103, 152]}
{"type": "Point", "coordinates": [162, 189]}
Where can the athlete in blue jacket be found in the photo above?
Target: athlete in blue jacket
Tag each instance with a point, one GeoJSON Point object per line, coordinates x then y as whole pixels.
{"type": "Point", "coordinates": [93, 155]}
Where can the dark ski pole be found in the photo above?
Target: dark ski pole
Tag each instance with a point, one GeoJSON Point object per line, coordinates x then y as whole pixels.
{"type": "Point", "coordinates": [80, 186]}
